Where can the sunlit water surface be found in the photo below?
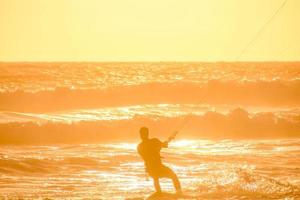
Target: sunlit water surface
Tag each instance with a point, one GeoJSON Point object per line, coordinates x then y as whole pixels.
{"type": "Point", "coordinates": [227, 169]}
{"type": "Point", "coordinates": [152, 111]}
{"type": "Point", "coordinates": [33, 77]}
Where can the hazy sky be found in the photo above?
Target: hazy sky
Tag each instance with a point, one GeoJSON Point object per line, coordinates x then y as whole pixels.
{"type": "Point", "coordinates": [147, 30]}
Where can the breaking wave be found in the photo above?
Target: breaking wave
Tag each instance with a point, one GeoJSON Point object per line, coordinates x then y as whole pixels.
{"type": "Point", "coordinates": [273, 93]}
{"type": "Point", "coordinates": [237, 123]}
{"type": "Point", "coordinates": [243, 184]}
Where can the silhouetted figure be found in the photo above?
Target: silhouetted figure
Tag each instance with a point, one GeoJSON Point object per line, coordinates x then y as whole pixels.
{"type": "Point", "coordinates": [149, 149]}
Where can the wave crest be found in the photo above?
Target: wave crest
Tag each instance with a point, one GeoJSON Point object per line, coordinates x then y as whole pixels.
{"type": "Point", "coordinates": [236, 124]}
{"type": "Point", "coordinates": [274, 93]}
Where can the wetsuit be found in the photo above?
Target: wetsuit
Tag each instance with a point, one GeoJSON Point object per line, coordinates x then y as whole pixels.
{"type": "Point", "coordinates": [150, 152]}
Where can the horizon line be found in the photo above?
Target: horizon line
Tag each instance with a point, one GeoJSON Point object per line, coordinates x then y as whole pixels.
{"type": "Point", "coordinates": [154, 61]}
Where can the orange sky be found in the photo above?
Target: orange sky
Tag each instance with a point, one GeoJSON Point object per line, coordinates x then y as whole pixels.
{"type": "Point", "coordinates": [143, 30]}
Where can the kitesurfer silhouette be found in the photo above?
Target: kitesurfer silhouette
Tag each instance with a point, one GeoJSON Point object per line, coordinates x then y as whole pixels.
{"type": "Point", "coordinates": [149, 149]}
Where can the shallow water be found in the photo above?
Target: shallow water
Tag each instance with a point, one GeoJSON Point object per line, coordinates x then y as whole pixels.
{"type": "Point", "coordinates": [227, 169]}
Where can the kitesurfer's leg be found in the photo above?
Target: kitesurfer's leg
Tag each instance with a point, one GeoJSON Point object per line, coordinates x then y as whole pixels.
{"type": "Point", "coordinates": [176, 183]}
{"type": "Point", "coordinates": [169, 173]}
{"type": "Point", "coordinates": [156, 184]}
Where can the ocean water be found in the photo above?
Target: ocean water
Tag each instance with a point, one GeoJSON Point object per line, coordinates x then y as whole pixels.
{"type": "Point", "coordinates": [207, 169]}
{"type": "Point", "coordinates": [111, 100]}
{"type": "Point", "coordinates": [70, 130]}
{"type": "Point", "coordinates": [35, 77]}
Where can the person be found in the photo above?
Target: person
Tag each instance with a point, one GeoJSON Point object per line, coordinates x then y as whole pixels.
{"type": "Point", "coordinates": [149, 150]}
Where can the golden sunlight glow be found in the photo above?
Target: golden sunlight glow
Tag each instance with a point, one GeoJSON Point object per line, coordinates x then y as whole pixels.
{"type": "Point", "coordinates": [123, 129]}
{"type": "Point", "coordinates": [140, 30]}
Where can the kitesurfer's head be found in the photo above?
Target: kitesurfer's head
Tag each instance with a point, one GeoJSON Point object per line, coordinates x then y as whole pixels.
{"type": "Point", "coordinates": [144, 133]}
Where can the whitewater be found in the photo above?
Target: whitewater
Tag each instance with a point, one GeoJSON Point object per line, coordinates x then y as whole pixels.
{"type": "Point", "coordinates": [225, 169]}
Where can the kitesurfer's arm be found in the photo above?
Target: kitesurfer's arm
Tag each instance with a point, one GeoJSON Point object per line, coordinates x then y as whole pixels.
{"type": "Point", "coordinates": [172, 137]}
{"type": "Point", "coordinates": [139, 150]}
{"type": "Point", "coordinates": [160, 144]}
{"type": "Point", "coordinates": [165, 144]}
